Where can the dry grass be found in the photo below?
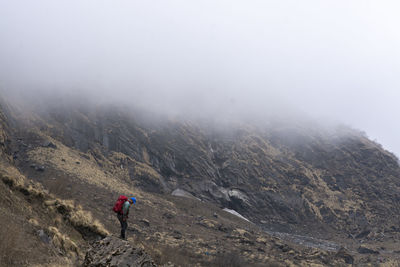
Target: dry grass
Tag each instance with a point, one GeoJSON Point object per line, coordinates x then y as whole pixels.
{"type": "Point", "coordinates": [64, 212]}
{"type": "Point", "coordinates": [144, 170]}
{"type": "Point", "coordinates": [390, 263]}
{"type": "Point", "coordinates": [65, 244]}
{"type": "Point", "coordinates": [11, 175]}
{"type": "Point", "coordinates": [109, 176]}
{"type": "Point", "coordinates": [65, 159]}
{"type": "Point", "coordinates": [82, 220]}
{"type": "Point", "coordinates": [139, 169]}
{"type": "Point", "coordinates": [25, 187]}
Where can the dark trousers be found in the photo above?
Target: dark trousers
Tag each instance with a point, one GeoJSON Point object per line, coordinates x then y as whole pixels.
{"type": "Point", "coordinates": [124, 225]}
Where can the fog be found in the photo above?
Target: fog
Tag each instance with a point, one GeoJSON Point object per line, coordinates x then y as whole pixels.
{"type": "Point", "coordinates": [331, 60]}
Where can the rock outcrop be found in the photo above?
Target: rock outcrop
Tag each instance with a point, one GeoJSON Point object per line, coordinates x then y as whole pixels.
{"type": "Point", "coordinates": [112, 251]}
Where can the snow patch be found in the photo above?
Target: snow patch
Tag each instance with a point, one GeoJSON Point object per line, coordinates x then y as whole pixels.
{"type": "Point", "coordinates": [234, 212]}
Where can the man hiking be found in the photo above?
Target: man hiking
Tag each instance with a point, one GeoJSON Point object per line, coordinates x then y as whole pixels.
{"type": "Point", "coordinates": [121, 207]}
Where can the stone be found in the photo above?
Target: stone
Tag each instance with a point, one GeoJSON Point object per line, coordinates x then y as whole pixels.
{"type": "Point", "coordinates": [48, 143]}
{"type": "Point", "coordinates": [40, 168]}
{"type": "Point", "coordinates": [365, 250]}
{"type": "Point", "coordinates": [43, 236]}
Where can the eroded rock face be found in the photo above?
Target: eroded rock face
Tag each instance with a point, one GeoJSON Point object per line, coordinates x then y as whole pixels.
{"type": "Point", "coordinates": [112, 251]}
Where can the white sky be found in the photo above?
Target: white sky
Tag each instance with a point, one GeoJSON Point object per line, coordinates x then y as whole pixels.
{"type": "Point", "coordinates": [331, 59]}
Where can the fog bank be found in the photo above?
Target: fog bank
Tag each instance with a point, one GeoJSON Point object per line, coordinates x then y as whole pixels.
{"type": "Point", "coordinates": [335, 60]}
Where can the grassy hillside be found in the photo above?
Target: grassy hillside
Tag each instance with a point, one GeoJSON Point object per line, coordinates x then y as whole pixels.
{"type": "Point", "coordinates": [39, 229]}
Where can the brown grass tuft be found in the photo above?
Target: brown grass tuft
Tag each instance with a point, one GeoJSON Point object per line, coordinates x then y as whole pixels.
{"type": "Point", "coordinates": [64, 244]}
{"type": "Point", "coordinates": [84, 221]}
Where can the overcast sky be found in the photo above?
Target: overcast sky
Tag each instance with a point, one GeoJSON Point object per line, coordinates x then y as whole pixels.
{"type": "Point", "coordinates": [330, 59]}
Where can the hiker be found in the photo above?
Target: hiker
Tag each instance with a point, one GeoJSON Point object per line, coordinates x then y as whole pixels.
{"type": "Point", "coordinates": [121, 207]}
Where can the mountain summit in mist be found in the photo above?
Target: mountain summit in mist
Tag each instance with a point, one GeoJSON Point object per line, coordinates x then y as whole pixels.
{"type": "Point", "coordinates": [299, 188]}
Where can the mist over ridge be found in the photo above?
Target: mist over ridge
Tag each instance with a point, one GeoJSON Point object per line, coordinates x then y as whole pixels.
{"type": "Point", "coordinates": [77, 109]}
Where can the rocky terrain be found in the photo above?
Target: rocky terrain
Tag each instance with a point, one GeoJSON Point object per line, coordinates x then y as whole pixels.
{"type": "Point", "coordinates": [308, 194]}
{"type": "Point", "coordinates": [112, 251]}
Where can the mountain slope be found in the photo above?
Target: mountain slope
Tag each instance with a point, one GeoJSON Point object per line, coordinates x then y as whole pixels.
{"type": "Point", "coordinates": [328, 183]}
{"type": "Point", "coordinates": [279, 173]}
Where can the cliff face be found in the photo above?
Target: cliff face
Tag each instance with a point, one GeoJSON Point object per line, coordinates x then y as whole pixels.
{"type": "Point", "coordinates": [277, 175]}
